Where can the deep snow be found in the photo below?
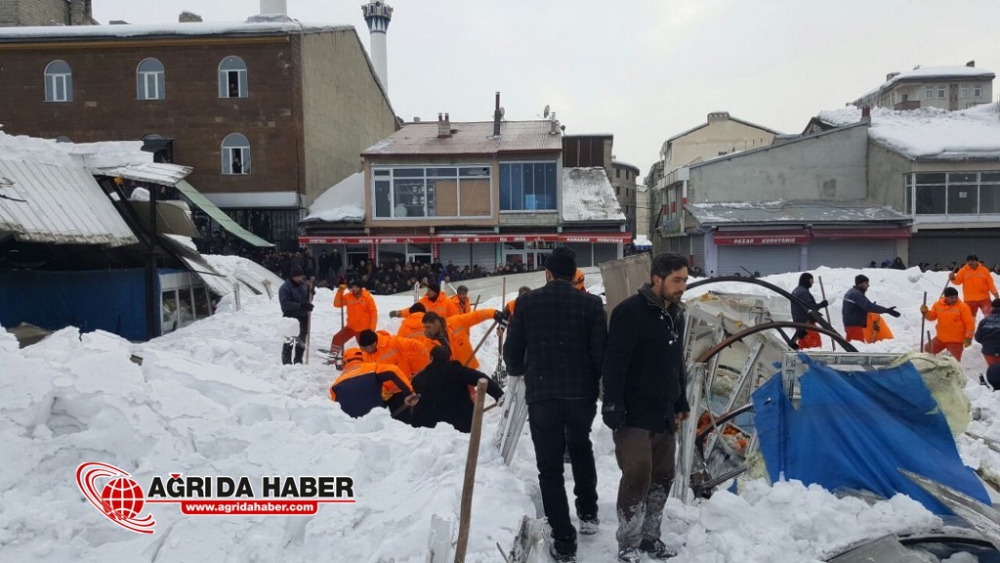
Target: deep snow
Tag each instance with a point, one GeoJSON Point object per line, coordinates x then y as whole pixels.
{"type": "Point", "coordinates": [212, 398]}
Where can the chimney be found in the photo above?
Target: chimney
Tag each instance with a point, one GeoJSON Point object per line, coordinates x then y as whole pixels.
{"type": "Point", "coordinates": [80, 12]}
{"type": "Point", "coordinates": [718, 116]}
{"type": "Point", "coordinates": [496, 117]}
{"type": "Point", "coordinates": [274, 7]}
{"type": "Point", "coordinates": [416, 119]}
{"type": "Point", "coordinates": [188, 17]}
{"type": "Point", "coordinates": [554, 127]}
{"type": "Point", "coordinates": [891, 75]}
{"type": "Point", "coordinates": [971, 64]}
{"type": "Point", "coordinates": [866, 114]}
{"type": "Point", "coordinates": [444, 126]}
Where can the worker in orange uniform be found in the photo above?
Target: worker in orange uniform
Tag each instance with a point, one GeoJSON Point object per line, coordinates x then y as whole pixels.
{"type": "Point", "coordinates": [454, 332]}
{"type": "Point", "coordinates": [413, 323]}
{"type": "Point", "coordinates": [977, 286]}
{"type": "Point", "coordinates": [409, 355]}
{"type": "Point", "coordinates": [508, 309]}
{"type": "Point", "coordinates": [461, 300]}
{"type": "Point", "coordinates": [955, 325]}
{"type": "Point", "coordinates": [362, 314]}
{"type": "Point", "coordinates": [435, 302]}
{"type": "Point", "coordinates": [364, 386]}
{"type": "Point", "coordinates": [578, 280]}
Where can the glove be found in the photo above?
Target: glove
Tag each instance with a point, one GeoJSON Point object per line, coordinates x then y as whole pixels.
{"type": "Point", "coordinates": [823, 304]}
{"type": "Point", "coordinates": [923, 309]}
{"type": "Point", "coordinates": [614, 418]}
{"type": "Point", "coordinates": [951, 276]}
{"type": "Point", "coordinates": [892, 311]}
{"type": "Point", "coordinates": [393, 314]}
{"type": "Point", "coordinates": [502, 319]}
{"type": "Point", "coordinates": [968, 342]}
{"type": "Point", "coordinates": [307, 307]}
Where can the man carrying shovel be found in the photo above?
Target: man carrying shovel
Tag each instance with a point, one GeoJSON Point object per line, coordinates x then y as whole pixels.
{"type": "Point", "coordinates": [955, 325]}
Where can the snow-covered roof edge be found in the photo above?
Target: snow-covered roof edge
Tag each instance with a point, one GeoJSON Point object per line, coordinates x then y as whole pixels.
{"type": "Point", "coordinates": [125, 31]}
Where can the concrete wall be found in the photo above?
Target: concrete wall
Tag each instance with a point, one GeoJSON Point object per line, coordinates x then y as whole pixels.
{"type": "Point", "coordinates": [105, 108]}
{"type": "Point", "coordinates": [9, 12]}
{"type": "Point", "coordinates": [827, 167]}
{"type": "Point", "coordinates": [886, 176]}
{"type": "Point", "coordinates": [642, 212]}
{"type": "Point", "coordinates": [43, 12]}
{"type": "Point", "coordinates": [719, 136]}
{"type": "Point", "coordinates": [623, 178]}
{"type": "Point", "coordinates": [343, 108]}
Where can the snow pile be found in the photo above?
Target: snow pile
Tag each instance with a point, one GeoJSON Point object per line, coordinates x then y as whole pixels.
{"type": "Point", "coordinates": [91, 155]}
{"type": "Point", "coordinates": [250, 273]}
{"type": "Point", "coordinates": [956, 72]}
{"type": "Point", "coordinates": [588, 196]}
{"type": "Point", "coordinates": [213, 399]}
{"type": "Point", "coordinates": [344, 202]}
{"type": "Point", "coordinates": [642, 240]}
{"type": "Point", "coordinates": [930, 132]}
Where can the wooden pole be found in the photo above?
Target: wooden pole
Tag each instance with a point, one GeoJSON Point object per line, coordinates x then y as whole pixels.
{"type": "Point", "coordinates": [465, 516]}
{"type": "Point", "coordinates": [481, 342]}
{"type": "Point", "coordinates": [822, 291]}
{"type": "Point", "coordinates": [923, 322]}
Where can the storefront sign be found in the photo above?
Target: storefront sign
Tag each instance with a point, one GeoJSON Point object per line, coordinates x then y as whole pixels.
{"type": "Point", "coordinates": [601, 238]}
{"type": "Point", "coordinates": [758, 238]}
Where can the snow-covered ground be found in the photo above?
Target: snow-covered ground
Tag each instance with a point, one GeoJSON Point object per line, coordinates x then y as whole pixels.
{"type": "Point", "coordinates": [213, 399]}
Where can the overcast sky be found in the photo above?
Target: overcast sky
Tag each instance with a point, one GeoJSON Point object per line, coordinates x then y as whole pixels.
{"type": "Point", "coordinates": [643, 70]}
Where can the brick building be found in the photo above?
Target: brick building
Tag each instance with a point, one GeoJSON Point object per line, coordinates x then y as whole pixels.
{"type": "Point", "coordinates": [45, 12]}
{"type": "Point", "coordinates": [268, 113]}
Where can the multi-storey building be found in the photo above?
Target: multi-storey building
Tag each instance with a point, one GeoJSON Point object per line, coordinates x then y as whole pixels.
{"type": "Point", "coordinates": [268, 113]}
{"type": "Point", "coordinates": [945, 87]}
{"type": "Point", "coordinates": [623, 180]}
{"type": "Point", "coordinates": [45, 12]}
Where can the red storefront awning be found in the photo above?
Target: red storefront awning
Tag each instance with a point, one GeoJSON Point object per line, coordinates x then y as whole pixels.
{"type": "Point", "coordinates": [894, 233]}
{"type": "Point", "coordinates": [755, 238]}
{"type": "Point", "coordinates": [606, 238]}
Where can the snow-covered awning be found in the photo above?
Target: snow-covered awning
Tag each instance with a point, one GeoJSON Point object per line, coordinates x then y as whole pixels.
{"type": "Point", "coordinates": [587, 195]}
{"type": "Point", "coordinates": [342, 203]}
{"type": "Point", "coordinates": [225, 221]}
{"type": "Point", "coordinates": [153, 172]}
{"type": "Point", "coordinates": [57, 203]}
{"type": "Point", "coordinates": [792, 212]}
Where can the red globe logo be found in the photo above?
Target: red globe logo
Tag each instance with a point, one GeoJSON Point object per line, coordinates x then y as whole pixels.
{"type": "Point", "coordinates": [123, 498]}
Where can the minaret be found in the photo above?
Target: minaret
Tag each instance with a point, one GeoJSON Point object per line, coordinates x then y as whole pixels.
{"type": "Point", "coordinates": [378, 14]}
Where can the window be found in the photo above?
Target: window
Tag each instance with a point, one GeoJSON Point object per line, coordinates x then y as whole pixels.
{"type": "Point", "coordinates": [425, 191]}
{"type": "Point", "coordinates": [963, 91]}
{"type": "Point", "coordinates": [618, 190]}
{"type": "Point", "coordinates": [929, 93]}
{"type": "Point", "coordinates": [58, 82]}
{"type": "Point", "coordinates": [977, 90]}
{"type": "Point", "coordinates": [235, 154]}
{"type": "Point", "coordinates": [233, 78]}
{"type": "Point", "coordinates": [958, 193]}
{"type": "Point", "coordinates": [618, 173]}
{"type": "Point", "coordinates": [942, 92]}
{"type": "Point", "coordinates": [528, 186]}
{"type": "Point", "coordinates": [149, 80]}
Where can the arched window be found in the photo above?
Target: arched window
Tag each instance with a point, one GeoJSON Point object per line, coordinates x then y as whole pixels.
{"type": "Point", "coordinates": [235, 154]}
{"type": "Point", "coordinates": [58, 82]}
{"type": "Point", "coordinates": [149, 83]}
{"type": "Point", "coordinates": [233, 78]}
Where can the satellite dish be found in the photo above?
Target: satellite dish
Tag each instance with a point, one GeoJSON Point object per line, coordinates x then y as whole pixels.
{"type": "Point", "coordinates": [502, 112]}
{"type": "Point", "coordinates": [546, 112]}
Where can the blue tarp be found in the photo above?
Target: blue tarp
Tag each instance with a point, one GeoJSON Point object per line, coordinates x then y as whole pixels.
{"type": "Point", "coordinates": [854, 429]}
{"type": "Point", "coordinates": [110, 300]}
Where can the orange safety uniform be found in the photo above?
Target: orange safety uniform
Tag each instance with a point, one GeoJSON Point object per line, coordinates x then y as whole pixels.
{"type": "Point", "coordinates": [954, 325]}
{"type": "Point", "coordinates": [409, 355]}
{"type": "Point", "coordinates": [462, 304]}
{"type": "Point", "coordinates": [877, 329]}
{"type": "Point", "coordinates": [977, 285]}
{"type": "Point", "coordinates": [579, 280]}
{"type": "Point", "coordinates": [361, 311]}
{"type": "Point", "coordinates": [412, 327]}
{"type": "Point", "coordinates": [443, 306]}
{"type": "Point", "coordinates": [459, 338]}
{"type": "Point", "coordinates": [393, 378]}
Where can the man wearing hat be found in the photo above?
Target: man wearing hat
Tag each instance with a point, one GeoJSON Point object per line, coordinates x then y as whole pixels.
{"type": "Point", "coordinates": [556, 341]}
{"type": "Point", "coordinates": [434, 302]}
{"type": "Point", "coordinates": [856, 308]}
{"type": "Point", "coordinates": [294, 298]}
{"type": "Point", "coordinates": [977, 285]}
{"type": "Point", "coordinates": [362, 314]}
{"type": "Point", "coordinates": [955, 324]}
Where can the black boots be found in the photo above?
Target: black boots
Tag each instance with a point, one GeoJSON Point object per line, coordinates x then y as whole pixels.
{"type": "Point", "coordinates": [287, 348]}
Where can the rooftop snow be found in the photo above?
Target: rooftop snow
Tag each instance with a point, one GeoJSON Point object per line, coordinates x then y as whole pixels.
{"type": "Point", "coordinates": [342, 203]}
{"type": "Point", "coordinates": [588, 196]}
{"type": "Point", "coordinates": [107, 154]}
{"type": "Point", "coordinates": [793, 212]}
{"type": "Point", "coordinates": [472, 138]}
{"type": "Point", "coordinates": [48, 33]}
{"type": "Point", "coordinates": [930, 133]}
{"type": "Point", "coordinates": [932, 73]}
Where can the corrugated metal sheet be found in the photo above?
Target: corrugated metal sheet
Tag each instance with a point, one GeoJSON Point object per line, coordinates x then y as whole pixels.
{"type": "Point", "coordinates": [60, 204]}
{"type": "Point", "coordinates": [154, 172]}
{"type": "Point", "coordinates": [220, 216]}
{"type": "Point", "coordinates": [468, 138]}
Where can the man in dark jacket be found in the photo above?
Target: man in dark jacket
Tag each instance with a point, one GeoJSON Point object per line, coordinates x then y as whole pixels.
{"type": "Point", "coordinates": [556, 341]}
{"type": "Point", "coordinates": [295, 303]}
{"type": "Point", "coordinates": [645, 399]}
{"type": "Point", "coordinates": [856, 309]}
{"type": "Point", "coordinates": [442, 392]}
{"type": "Point", "coordinates": [988, 334]}
{"type": "Point", "coordinates": [800, 314]}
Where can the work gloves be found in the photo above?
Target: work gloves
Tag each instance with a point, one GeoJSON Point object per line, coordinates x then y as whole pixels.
{"type": "Point", "coordinates": [923, 309]}
{"type": "Point", "coordinates": [823, 304]}
{"type": "Point", "coordinates": [614, 416]}
{"type": "Point", "coordinates": [968, 342]}
{"type": "Point", "coordinates": [307, 307]}
{"type": "Point", "coordinates": [502, 319]}
{"type": "Point", "coordinates": [892, 311]}
{"type": "Point", "coordinates": [393, 314]}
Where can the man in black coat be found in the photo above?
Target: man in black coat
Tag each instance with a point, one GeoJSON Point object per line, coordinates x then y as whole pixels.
{"type": "Point", "coordinates": [988, 334]}
{"type": "Point", "coordinates": [294, 298]}
{"type": "Point", "coordinates": [442, 392]}
{"type": "Point", "coordinates": [556, 341]}
{"type": "Point", "coordinates": [800, 314]}
{"type": "Point", "coordinates": [645, 399]}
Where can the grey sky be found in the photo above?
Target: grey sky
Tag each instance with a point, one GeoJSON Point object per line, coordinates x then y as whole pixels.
{"type": "Point", "coordinates": [641, 69]}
